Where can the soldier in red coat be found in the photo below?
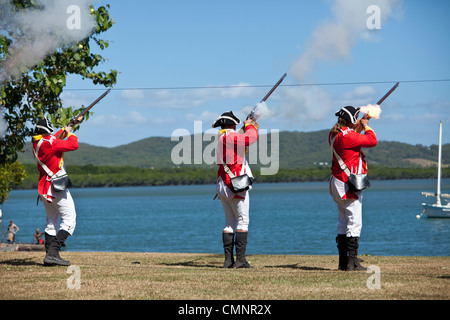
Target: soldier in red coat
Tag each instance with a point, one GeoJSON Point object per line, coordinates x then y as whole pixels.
{"type": "Point", "coordinates": [59, 206]}
{"type": "Point", "coordinates": [347, 141]}
{"type": "Point", "coordinates": [231, 160]}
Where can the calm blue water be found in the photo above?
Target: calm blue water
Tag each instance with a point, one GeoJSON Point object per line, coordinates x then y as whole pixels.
{"type": "Point", "coordinates": [285, 218]}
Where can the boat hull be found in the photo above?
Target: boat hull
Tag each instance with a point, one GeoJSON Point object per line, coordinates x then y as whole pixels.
{"type": "Point", "coordinates": [435, 211]}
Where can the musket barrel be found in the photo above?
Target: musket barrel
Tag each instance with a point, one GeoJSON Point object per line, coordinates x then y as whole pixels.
{"type": "Point", "coordinates": [62, 135]}
{"type": "Point", "coordinates": [274, 87]}
{"type": "Point", "coordinates": [93, 103]}
{"type": "Point", "coordinates": [387, 94]}
{"type": "Point", "coordinates": [252, 113]}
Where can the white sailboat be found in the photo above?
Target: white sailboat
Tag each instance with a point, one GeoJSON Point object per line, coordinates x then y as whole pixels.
{"type": "Point", "coordinates": [437, 210]}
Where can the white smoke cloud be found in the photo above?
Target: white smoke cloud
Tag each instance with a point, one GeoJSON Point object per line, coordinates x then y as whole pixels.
{"type": "Point", "coordinates": [372, 110]}
{"type": "Point", "coordinates": [59, 23]}
{"type": "Point", "coordinates": [332, 41]}
{"type": "Point", "coordinates": [3, 125]}
{"type": "Point", "coordinates": [261, 111]}
{"type": "Point", "coordinates": [306, 104]}
{"type": "Point", "coordinates": [41, 31]}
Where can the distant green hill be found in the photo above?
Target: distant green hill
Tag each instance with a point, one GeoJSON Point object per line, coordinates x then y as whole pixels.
{"type": "Point", "coordinates": [296, 150]}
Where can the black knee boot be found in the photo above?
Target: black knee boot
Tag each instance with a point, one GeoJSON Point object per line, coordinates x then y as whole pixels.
{"type": "Point", "coordinates": [52, 258]}
{"type": "Point", "coordinates": [228, 246]}
{"type": "Point", "coordinates": [342, 248]}
{"type": "Point", "coordinates": [353, 261]}
{"type": "Point", "coordinates": [241, 247]}
{"type": "Point", "coordinates": [48, 241]}
{"type": "Point", "coordinates": [358, 266]}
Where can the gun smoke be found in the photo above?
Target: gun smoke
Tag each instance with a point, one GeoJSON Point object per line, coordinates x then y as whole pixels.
{"type": "Point", "coordinates": [330, 42]}
{"type": "Point", "coordinates": [3, 125]}
{"type": "Point", "coordinates": [371, 110]}
{"type": "Point", "coordinates": [261, 111]}
{"type": "Point", "coordinates": [37, 33]}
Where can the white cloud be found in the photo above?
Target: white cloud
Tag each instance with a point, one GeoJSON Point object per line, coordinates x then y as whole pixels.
{"type": "Point", "coordinates": [206, 117]}
{"type": "Point", "coordinates": [132, 95]}
{"type": "Point", "coordinates": [75, 100]}
{"type": "Point", "coordinates": [128, 120]}
{"type": "Point", "coordinates": [185, 98]}
{"type": "Point", "coordinates": [397, 117]}
{"type": "Point", "coordinates": [162, 121]}
{"type": "Point", "coordinates": [358, 97]}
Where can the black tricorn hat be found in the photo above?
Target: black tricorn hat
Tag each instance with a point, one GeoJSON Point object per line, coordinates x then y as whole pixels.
{"type": "Point", "coordinates": [348, 113]}
{"type": "Point", "coordinates": [43, 126]}
{"type": "Point", "coordinates": [226, 119]}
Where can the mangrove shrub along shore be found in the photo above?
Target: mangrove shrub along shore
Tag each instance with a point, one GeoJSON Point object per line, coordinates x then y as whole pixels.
{"type": "Point", "coordinates": [87, 176]}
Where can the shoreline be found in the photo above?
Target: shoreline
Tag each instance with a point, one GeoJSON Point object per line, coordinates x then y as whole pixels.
{"type": "Point", "coordinates": [183, 176]}
{"type": "Point", "coordinates": [28, 247]}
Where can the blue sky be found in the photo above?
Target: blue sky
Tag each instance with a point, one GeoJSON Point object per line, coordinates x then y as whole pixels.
{"type": "Point", "coordinates": [240, 45]}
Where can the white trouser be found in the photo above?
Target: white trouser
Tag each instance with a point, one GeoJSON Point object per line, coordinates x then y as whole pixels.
{"type": "Point", "coordinates": [350, 210]}
{"type": "Point", "coordinates": [62, 207]}
{"type": "Point", "coordinates": [236, 213]}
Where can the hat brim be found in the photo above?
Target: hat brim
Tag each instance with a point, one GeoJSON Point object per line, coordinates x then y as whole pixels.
{"type": "Point", "coordinates": [348, 115]}
{"type": "Point", "coordinates": [226, 119]}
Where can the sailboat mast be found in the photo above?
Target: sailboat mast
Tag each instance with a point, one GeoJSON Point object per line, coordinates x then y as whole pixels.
{"type": "Point", "coordinates": [438, 194]}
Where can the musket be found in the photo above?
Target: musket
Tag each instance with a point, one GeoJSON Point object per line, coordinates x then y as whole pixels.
{"type": "Point", "coordinates": [359, 127]}
{"type": "Point", "coordinates": [388, 93]}
{"type": "Point", "coordinates": [252, 113]}
{"type": "Point", "coordinates": [62, 135]}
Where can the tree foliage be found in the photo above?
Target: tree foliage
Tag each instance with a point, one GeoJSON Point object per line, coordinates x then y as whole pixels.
{"type": "Point", "coordinates": [11, 175]}
{"type": "Point", "coordinates": [88, 176]}
{"type": "Point", "coordinates": [36, 92]}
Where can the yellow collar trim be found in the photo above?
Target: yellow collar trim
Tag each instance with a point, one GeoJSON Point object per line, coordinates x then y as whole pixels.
{"type": "Point", "coordinates": [38, 137]}
{"type": "Point", "coordinates": [223, 131]}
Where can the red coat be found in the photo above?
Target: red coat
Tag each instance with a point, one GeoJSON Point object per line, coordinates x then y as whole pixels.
{"type": "Point", "coordinates": [232, 151]}
{"type": "Point", "coordinates": [348, 144]}
{"type": "Point", "coordinates": [51, 154]}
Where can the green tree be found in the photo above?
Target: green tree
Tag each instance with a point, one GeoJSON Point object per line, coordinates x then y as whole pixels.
{"type": "Point", "coordinates": [11, 174]}
{"type": "Point", "coordinates": [35, 91]}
